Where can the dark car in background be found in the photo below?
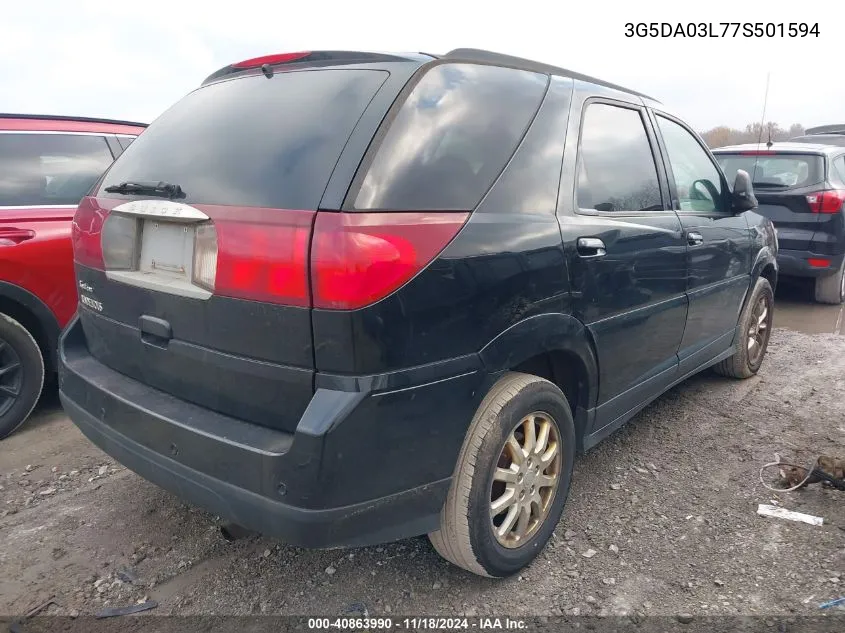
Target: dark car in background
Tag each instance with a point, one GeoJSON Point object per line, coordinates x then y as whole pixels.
{"type": "Point", "coordinates": [47, 164]}
{"type": "Point", "coordinates": [395, 294]}
{"type": "Point", "coordinates": [801, 188]}
{"type": "Point", "coordinates": [823, 135]}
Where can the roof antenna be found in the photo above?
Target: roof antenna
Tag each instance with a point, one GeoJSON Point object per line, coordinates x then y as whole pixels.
{"type": "Point", "coordinates": [762, 123]}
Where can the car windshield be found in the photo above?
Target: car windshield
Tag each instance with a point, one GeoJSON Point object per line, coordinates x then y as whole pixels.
{"type": "Point", "coordinates": [775, 170]}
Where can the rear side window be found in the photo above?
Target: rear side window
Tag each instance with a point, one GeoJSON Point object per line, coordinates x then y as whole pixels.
{"type": "Point", "coordinates": [125, 141]}
{"type": "Point", "coordinates": [616, 166]}
{"type": "Point", "coordinates": [451, 138]}
{"type": "Point", "coordinates": [253, 141]}
{"type": "Point", "coordinates": [775, 171]}
{"type": "Point", "coordinates": [839, 167]}
{"type": "Point", "coordinates": [50, 169]}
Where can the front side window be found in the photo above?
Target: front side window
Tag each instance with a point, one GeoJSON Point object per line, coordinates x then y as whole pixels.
{"type": "Point", "coordinates": [50, 169]}
{"type": "Point", "coordinates": [451, 138]}
{"type": "Point", "coordinates": [697, 179]}
{"type": "Point", "coordinates": [616, 169]}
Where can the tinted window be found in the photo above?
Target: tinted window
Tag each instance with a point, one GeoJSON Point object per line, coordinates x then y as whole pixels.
{"type": "Point", "coordinates": [531, 180]}
{"type": "Point", "coordinates": [616, 167]}
{"type": "Point", "coordinates": [50, 169]}
{"type": "Point", "coordinates": [451, 138]}
{"type": "Point", "coordinates": [775, 171]}
{"type": "Point", "coordinates": [253, 141]}
{"type": "Point", "coordinates": [839, 166]}
{"type": "Point", "coordinates": [697, 179]}
{"type": "Point", "coordinates": [125, 141]}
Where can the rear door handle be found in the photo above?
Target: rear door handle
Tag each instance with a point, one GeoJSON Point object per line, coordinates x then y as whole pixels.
{"type": "Point", "coordinates": [591, 247]}
{"type": "Point", "coordinates": [9, 236]}
{"type": "Point", "coordinates": [694, 238]}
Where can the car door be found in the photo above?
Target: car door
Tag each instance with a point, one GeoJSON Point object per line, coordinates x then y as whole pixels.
{"type": "Point", "coordinates": [718, 243]}
{"type": "Point", "coordinates": [43, 175]}
{"type": "Point", "coordinates": [625, 252]}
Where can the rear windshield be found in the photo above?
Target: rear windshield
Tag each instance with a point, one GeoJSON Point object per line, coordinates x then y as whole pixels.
{"type": "Point", "coordinates": [777, 171]}
{"type": "Point", "coordinates": [253, 141]}
{"type": "Point", "coordinates": [50, 169]}
{"type": "Point", "coordinates": [451, 137]}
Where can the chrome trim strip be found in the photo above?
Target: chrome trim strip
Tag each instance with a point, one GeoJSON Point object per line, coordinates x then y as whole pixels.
{"type": "Point", "coordinates": [165, 210]}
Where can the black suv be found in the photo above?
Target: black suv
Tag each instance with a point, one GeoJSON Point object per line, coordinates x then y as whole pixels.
{"type": "Point", "coordinates": [801, 188]}
{"type": "Point", "coordinates": [346, 298]}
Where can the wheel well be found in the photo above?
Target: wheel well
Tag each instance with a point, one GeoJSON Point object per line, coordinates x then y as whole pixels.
{"type": "Point", "coordinates": [32, 323]}
{"type": "Point", "coordinates": [770, 274]}
{"type": "Point", "coordinates": [567, 371]}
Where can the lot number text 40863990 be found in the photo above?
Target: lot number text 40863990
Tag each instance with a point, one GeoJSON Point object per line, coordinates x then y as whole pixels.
{"type": "Point", "coordinates": [721, 29]}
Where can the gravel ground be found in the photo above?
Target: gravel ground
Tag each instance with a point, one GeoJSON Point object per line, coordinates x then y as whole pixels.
{"type": "Point", "coordinates": [661, 520]}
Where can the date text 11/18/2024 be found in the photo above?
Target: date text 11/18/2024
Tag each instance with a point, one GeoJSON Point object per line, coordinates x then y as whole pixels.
{"type": "Point", "coordinates": [722, 29]}
{"type": "Point", "coordinates": [420, 623]}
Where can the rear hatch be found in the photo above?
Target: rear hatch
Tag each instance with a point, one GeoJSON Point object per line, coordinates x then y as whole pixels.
{"type": "Point", "coordinates": [192, 257]}
{"type": "Point", "coordinates": [788, 187]}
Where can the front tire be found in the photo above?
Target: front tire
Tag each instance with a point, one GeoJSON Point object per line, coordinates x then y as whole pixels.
{"type": "Point", "coordinates": [21, 374]}
{"type": "Point", "coordinates": [511, 480]}
{"type": "Point", "coordinates": [831, 288]}
{"type": "Point", "coordinates": [754, 330]}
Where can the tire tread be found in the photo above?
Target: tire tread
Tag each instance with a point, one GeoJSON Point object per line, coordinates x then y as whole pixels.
{"type": "Point", "coordinates": [452, 541]}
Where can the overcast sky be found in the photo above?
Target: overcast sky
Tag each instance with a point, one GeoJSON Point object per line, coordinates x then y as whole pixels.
{"type": "Point", "coordinates": [132, 60]}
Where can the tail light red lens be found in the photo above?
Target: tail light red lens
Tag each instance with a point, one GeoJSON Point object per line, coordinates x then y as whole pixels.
{"type": "Point", "coordinates": [262, 255]}
{"type": "Point", "coordinates": [86, 232]}
{"type": "Point", "coordinates": [826, 201]}
{"type": "Point", "coordinates": [818, 262]}
{"type": "Point", "coordinates": [360, 258]}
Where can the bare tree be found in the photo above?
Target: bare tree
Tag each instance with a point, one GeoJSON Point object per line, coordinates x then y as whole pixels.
{"type": "Point", "coordinates": [753, 133]}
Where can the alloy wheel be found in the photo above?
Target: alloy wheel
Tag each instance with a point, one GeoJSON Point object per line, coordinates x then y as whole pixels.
{"type": "Point", "coordinates": [526, 479]}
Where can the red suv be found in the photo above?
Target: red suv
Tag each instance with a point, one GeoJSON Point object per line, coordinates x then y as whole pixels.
{"type": "Point", "coordinates": [47, 164]}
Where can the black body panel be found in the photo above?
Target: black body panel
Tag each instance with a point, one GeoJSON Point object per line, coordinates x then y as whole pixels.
{"type": "Point", "coordinates": [332, 427]}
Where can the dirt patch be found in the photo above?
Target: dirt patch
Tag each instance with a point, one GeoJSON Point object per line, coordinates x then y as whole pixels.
{"type": "Point", "coordinates": [668, 504]}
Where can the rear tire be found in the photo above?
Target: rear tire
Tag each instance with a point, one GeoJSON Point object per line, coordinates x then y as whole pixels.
{"type": "Point", "coordinates": [469, 535]}
{"type": "Point", "coordinates": [831, 288]}
{"type": "Point", "coordinates": [755, 324]}
{"type": "Point", "coordinates": [21, 374]}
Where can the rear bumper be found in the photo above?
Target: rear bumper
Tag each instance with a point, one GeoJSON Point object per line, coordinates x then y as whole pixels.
{"type": "Point", "coordinates": [794, 263]}
{"type": "Point", "coordinates": [363, 467]}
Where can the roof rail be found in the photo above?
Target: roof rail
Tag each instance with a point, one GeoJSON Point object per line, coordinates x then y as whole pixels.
{"type": "Point", "coordinates": [838, 128]}
{"type": "Point", "coordinates": [490, 57]}
{"type": "Point", "coordinates": [63, 117]}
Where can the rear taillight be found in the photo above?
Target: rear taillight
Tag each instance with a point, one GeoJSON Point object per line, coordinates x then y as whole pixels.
{"type": "Point", "coordinates": [356, 259]}
{"type": "Point", "coordinates": [204, 271]}
{"type": "Point", "coordinates": [360, 258]}
{"type": "Point", "coordinates": [826, 201]}
{"type": "Point", "coordinates": [119, 242]}
{"type": "Point", "coordinates": [262, 255]}
{"type": "Point", "coordinates": [818, 262]}
{"type": "Point", "coordinates": [86, 232]}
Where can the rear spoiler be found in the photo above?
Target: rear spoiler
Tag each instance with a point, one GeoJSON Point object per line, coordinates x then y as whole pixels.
{"type": "Point", "coordinates": [303, 59]}
{"type": "Point", "coordinates": [838, 128]}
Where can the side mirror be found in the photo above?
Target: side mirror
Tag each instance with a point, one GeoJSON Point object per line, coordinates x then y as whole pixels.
{"type": "Point", "coordinates": [743, 194]}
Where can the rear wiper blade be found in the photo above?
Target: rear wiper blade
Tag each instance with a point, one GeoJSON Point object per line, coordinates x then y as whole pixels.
{"type": "Point", "coordinates": [160, 188]}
